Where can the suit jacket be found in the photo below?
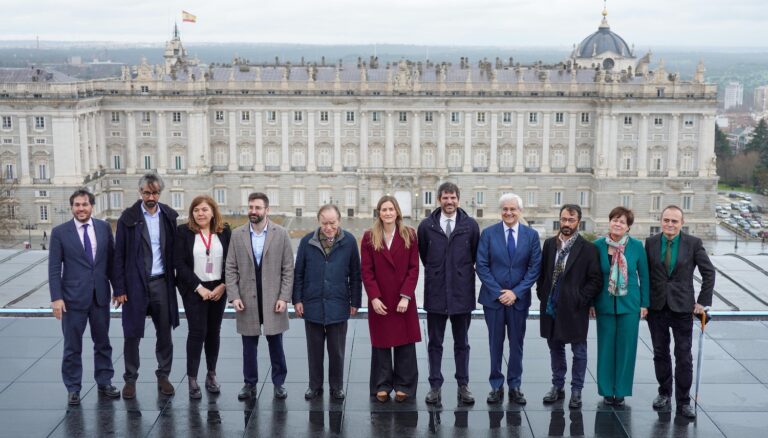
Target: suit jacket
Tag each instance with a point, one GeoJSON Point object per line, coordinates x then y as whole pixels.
{"type": "Point", "coordinates": [186, 279]}
{"type": "Point", "coordinates": [580, 283]}
{"type": "Point", "coordinates": [637, 280]}
{"type": "Point", "coordinates": [276, 279]}
{"type": "Point", "coordinates": [387, 274]}
{"type": "Point", "coordinates": [497, 271]}
{"type": "Point", "coordinates": [71, 276]}
{"type": "Point", "coordinates": [676, 289]}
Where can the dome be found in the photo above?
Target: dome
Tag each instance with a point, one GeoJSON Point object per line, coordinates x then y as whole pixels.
{"type": "Point", "coordinates": [603, 41]}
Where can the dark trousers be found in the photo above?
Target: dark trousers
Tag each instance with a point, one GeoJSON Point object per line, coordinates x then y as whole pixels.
{"type": "Point", "coordinates": [276, 357]}
{"type": "Point", "coordinates": [402, 376]}
{"type": "Point", "coordinates": [436, 331]}
{"type": "Point", "coordinates": [336, 336]}
{"type": "Point", "coordinates": [659, 323]}
{"type": "Point", "coordinates": [204, 319]}
{"type": "Point", "coordinates": [506, 321]}
{"type": "Point", "coordinates": [73, 324]}
{"type": "Point", "coordinates": [560, 363]}
{"type": "Point", "coordinates": [159, 310]}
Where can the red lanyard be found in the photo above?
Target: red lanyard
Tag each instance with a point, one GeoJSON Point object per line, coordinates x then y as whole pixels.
{"type": "Point", "coordinates": [206, 244]}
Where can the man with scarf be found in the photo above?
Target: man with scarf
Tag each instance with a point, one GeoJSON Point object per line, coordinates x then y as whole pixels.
{"type": "Point", "coordinates": [570, 279]}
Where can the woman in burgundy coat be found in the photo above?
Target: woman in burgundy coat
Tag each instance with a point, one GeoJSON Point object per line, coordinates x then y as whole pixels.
{"type": "Point", "coordinates": [390, 270]}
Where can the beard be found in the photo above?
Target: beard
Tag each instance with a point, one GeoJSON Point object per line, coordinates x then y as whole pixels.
{"type": "Point", "coordinates": [567, 231]}
{"type": "Point", "coordinates": [255, 218]}
{"type": "Point", "coordinates": [150, 204]}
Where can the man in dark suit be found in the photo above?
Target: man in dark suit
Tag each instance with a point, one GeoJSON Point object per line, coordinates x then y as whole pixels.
{"type": "Point", "coordinates": [144, 280]}
{"type": "Point", "coordinates": [79, 271]}
{"type": "Point", "coordinates": [448, 241]}
{"type": "Point", "coordinates": [672, 258]}
{"type": "Point", "coordinates": [570, 279]}
{"type": "Point", "coordinates": [508, 264]}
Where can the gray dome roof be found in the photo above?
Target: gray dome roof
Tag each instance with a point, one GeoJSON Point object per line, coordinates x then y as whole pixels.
{"type": "Point", "coordinates": [603, 41]}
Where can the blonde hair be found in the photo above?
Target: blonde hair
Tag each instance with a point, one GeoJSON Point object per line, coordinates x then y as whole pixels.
{"type": "Point", "coordinates": [377, 230]}
{"type": "Point", "coordinates": [217, 224]}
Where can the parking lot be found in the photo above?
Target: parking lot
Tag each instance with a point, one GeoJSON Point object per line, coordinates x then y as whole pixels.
{"type": "Point", "coordinates": [742, 213]}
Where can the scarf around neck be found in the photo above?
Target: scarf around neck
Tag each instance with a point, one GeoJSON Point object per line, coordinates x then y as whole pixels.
{"type": "Point", "coordinates": [617, 278]}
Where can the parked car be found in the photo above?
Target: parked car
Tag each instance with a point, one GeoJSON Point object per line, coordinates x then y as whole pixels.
{"type": "Point", "coordinates": [753, 233]}
{"type": "Point", "coordinates": [732, 195]}
{"type": "Point", "coordinates": [755, 224]}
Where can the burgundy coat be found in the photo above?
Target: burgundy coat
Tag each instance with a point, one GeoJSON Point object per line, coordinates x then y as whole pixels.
{"type": "Point", "coordinates": [387, 274]}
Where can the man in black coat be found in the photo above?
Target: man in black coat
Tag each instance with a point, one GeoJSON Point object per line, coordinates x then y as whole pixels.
{"type": "Point", "coordinates": [447, 248]}
{"type": "Point", "coordinates": [672, 258]}
{"type": "Point", "coordinates": [570, 279]}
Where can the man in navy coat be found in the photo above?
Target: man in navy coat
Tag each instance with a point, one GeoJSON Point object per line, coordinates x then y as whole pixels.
{"type": "Point", "coordinates": [79, 271]}
{"type": "Point", "coordinates": [508, 264]}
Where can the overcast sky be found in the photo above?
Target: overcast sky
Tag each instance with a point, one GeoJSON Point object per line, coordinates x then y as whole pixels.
{"type": "Point", "coordinates": [557, 23]}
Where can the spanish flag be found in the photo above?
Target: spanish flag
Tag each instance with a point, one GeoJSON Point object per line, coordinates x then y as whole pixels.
{"type": "Point", "coordinates": [187, 17]}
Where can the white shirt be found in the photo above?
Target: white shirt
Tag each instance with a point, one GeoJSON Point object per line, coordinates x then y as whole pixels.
{"type": "Point", "coordinates": [217, 258]}
{"type": "Point", "coordinates": [515, 228]}
{"type": "Point", "coordinates": [444, 222]}
{"type": "Point", "coordinates": [91, 234]}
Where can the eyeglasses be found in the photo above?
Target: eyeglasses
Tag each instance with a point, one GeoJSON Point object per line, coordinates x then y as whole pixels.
{"type": "Point", "coordinates": [568, 220]}
{"type": "Point", "coordinates": [148, 194]}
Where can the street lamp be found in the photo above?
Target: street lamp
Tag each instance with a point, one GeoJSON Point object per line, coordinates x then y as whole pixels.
{"type": "Point", "coordinates": [29, 230]}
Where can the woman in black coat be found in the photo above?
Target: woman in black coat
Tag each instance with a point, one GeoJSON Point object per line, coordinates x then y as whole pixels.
{"type": "Point", "coordinates": [200, 251]}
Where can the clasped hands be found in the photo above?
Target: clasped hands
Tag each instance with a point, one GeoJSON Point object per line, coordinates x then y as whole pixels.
{"type": "Point", "coordinates": [507, 297]}
{"type": "Point", "coordinates": [212, 295]}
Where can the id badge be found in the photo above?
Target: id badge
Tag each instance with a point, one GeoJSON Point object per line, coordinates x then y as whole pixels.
{"type": "Point", "coordinates": [208, 266]}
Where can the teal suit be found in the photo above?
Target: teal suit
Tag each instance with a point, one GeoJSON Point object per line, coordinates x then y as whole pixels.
{"type": "Point", "coordinates": [618, 319]}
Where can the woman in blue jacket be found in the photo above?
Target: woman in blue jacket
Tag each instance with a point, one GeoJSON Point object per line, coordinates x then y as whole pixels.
{"type": "Point", "coordinates": [619, 306]}
{"type": "Point", "coordinates": [327, 290]}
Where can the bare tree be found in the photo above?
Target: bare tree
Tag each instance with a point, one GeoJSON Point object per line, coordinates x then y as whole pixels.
{"type": "Point", "coordinates": [9, 204]}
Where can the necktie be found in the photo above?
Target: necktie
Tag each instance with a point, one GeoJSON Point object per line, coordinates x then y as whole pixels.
{"type": "Point", "coordinates": [448, 229]}
{"type": "Point", "coordinates": [668, 257]}
{"type": "Point", "coordinates": [511, 243]}
{"type": "Point", "coordinates": [87, 245]}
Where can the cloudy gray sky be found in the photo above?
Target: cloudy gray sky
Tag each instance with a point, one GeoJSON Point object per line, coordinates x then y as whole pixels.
{"type": "Point", "coordinates": [733, 23]}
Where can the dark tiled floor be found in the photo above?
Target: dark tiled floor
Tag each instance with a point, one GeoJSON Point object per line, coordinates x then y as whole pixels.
{"type": "Point", "coordinates": [734, 393]}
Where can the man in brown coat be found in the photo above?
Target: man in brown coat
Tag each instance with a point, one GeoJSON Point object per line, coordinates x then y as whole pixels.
{"type": "Point", "coordinates": [259, 274]}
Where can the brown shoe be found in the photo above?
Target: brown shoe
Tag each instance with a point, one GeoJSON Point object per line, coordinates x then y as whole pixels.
{"type": "Point", "coordinates": [382, 396]}
{"type": "Point", "coordinates": [164, 385]}
{"type": "Point", "coordinates": [129, 390]}
{"type": "Point", "coordinates": [400, 396]}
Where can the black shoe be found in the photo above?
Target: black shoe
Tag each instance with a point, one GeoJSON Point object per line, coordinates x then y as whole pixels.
{"type": "Point", "coordinates": [554, 395]}
{"type": "Point", "coordinates": [433, 396]}
{"type": "Point", "coordinates": [109, 390]}
{"type": "Point", "coordinates": [73, 399]}
{"type": "Point", "coordinates": [247, 392]}
{"type": "Point", "coordinates": [609, 401]}
{"type": "Point", "coordinates": [686, 411]}
{"type": "Point", "coordinates": [517, 397]}
{"type": "Point", "coordinates": [338, 394]}
{"type": "Point", "coordinates": [495, 396]}
{"type": "Point", "coordinates": [660, 401]}
{"type": "Point", "coordinates": [465, 395]}
{"type": "Point", "coordinates": [312, 393]}
{"type": "Point", "coordinates": [618, 401]}
{"type": "Point", "coordinates": [575, 402]}
{"type": "Point", "coordinates": [280, 392]}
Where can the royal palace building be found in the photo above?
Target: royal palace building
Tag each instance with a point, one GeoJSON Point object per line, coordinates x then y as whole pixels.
{"type": "Point", "coordinates": [601, 129]}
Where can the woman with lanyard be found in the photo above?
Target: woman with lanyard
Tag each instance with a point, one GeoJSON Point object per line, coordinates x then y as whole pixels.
{"type": "Point", "coordinates": [619, 306]}
{"type": "Point", "coordinates": [200, 250]}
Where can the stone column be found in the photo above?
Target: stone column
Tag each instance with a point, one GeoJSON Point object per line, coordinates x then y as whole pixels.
{"type": "Point", "coordinates": [93, 142]}
{"type": "Point", "coordinates": [673, 145]}
{"type": "Point", "coordinates": [613, 146]}
{"type": "Point", "coordinates": [467, 142]}
{"type": "Point", "coordinates": [572, 121]}
{"type": "Point", "coordinates": [130, 153]}
{"type": "Point", "coordinates": [642, 147]}
{"type": "Point", "coordinates": [102, 140]}
{"type": "Point", "coordinates": [162, 142]}
{"type": "Point", "coordinates": [520, 146]}
{"type": "Point", "coordinates": [65, 169]}
{"type": "Point", "coordinates": [706, 149]}
{"type": "Point", "coordinates": [285, 163]}
{"type": "Point", "coordinates": [416, 140]}
{"type": "Point", "coordinates": [363, 140]}
{"type": "Point", "coordinates": [389, 142]}
{"type": "Point", "coordinates": [337, 141]}
{"type": "Point", "coordinates": [311, 167]}
{"type": "Point", "coordinates": [233, 141]}
{"type": "Point", "coordinates": [494, 164]}
{"type": "Point", "coordinates": [441, 141]}
{"type": "Point", "coordinates": [547, 118]}
{"type": "Point", "coordinates": [24, 149]}
{"type": "Point", "coordinates": [259, 159]}
{"type": "Point", "coordinates": [82, 138]}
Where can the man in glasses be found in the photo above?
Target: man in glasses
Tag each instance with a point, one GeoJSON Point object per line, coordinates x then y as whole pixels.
{"type": "Point", "coordinates": [144, 280]}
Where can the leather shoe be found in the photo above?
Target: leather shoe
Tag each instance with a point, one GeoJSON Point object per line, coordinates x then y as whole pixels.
{"type": "Point", "coordinates": [433, 396]}
{"type": "Point", "coordinates": [495, 396]}
{"type": "Point", "coordinates": [517, 397]}
{"type": "Point", "coordinates": [660, 401]}
{"type": "Point", "coordinates": [686, 411]}
{"type": "Point", "coordinates": [465, 395]}
{"type": "Point", "coordinates": [609, 401]}
{"type": "Point", "coordinates": [338, 394]}
{"type": "Point", "coordinates": [554, 394]}
{"type": "Point", "coordinates": [164, 385]}
{"type": "Point", "coordinates": [400, 396]}
{"type": "Point", "coordinates": [211, 385]}
{"type": "Point", "coordinates": [618, 401]}
{"type": "Point", "coordinates": [247, 392]}
{"type": "Point", "coordinates": [575, 402]}
{"type": "Point", "coordinates": [312, 393]}
{"type": "Point", "coordinates": [129, 390]}
{"type": "Point", "coordinates": [109, 390]}
{"type": "Point", "coordinates": [73, 399]}
{"type": "Point", "coordinates": [280, 392]}
{"type": "Point", "coordinates": [194, 389]}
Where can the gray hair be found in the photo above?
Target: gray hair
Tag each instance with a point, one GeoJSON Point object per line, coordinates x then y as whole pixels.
{"type": "Point", "coordinates": [507, 197]}
{"type": "Point", "coordinates": [151, 179]}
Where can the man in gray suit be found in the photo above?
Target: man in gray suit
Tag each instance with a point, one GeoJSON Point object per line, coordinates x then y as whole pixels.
{"type": "Point", "coordinates": [259, 278]}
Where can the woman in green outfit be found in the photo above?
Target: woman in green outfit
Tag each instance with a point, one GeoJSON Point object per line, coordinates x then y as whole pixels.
{"type": "Point", "coordinates": [619, 307]}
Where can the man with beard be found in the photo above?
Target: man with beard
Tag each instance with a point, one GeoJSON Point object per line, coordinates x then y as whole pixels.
{"type": "Point", "coordinates": [447, 246]}
{"type": "Point", "coordinates": [570, 279]}
{"type": "Point", "coordinates": [259, 278]}
{"type": "Point", "coordinates": [144, 280]}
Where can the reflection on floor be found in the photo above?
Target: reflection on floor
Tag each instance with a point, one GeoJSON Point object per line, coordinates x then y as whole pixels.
{"type": "Point", "coordinates": [733, 396]}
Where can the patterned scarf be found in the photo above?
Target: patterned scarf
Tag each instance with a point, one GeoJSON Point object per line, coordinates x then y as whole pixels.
{"type": "Point", "coordinates": [617, 279]}
{"type": "Point", "coordinates": [562, 254]}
